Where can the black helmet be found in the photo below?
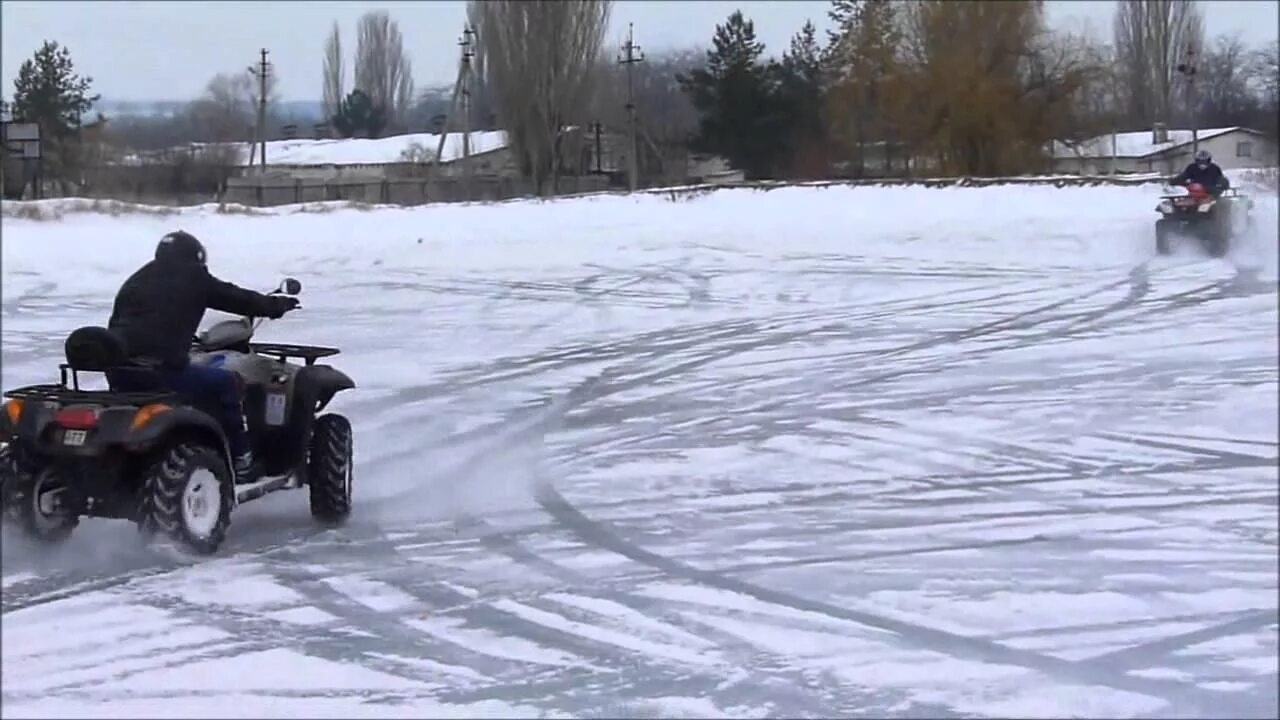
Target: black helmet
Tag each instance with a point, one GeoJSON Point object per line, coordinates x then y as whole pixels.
{"type": "Point", "coordinates": [180, 246]}
{"type": "Point", "coordinates": [1203, 157]}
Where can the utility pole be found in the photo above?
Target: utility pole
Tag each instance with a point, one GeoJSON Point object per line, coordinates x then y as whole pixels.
{"type": "Point", "coordinates": [261, 71]}
{"type": "Point", "coordinates": [630, 56]}
{"type": "Point", "coordinates": [1188, 69]}
{"type": "Point", "coordinates": [468, 52]}
{"type": "Point", "coordinates": [461, 96]}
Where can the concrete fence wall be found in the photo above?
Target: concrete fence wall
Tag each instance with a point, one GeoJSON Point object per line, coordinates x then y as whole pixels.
{"type": "Point", "coordinates": [274, 191]}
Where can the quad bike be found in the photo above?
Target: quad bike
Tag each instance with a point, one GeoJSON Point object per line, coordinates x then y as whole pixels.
{"type": "Point", "coordinates": [147, 457]}
{"type": "Point", "coordinates": [1215, 221]}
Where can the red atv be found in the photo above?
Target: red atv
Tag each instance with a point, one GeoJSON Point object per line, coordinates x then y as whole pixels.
{"type": "Point", "coordinates": [1214, 220]}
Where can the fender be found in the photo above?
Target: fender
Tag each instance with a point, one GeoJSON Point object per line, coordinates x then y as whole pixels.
{"type": "Point", "coordinates": [326, 381]}
{"type": "Point", "coordinates": [176, 419]}
{"type": "Point", "coordinates": [284, 448]}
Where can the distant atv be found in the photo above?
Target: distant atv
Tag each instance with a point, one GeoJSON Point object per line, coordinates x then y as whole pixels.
{"type": "Point", "coordinates": [1214, 221]}
{"type": "Point", "coordinates": [166, 466]}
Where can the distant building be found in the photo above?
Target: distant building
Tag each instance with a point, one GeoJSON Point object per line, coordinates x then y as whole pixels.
{"type": "Point", "coordinates": [398, 156]}
{"type": "Point", "coordinates": [1164, 151]}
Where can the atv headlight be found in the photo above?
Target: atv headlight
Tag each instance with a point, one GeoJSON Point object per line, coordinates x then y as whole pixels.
{"type": "Point", "coordinates": [1165, 206]}
{"type": "Point", "coordinates": [1205, 208]}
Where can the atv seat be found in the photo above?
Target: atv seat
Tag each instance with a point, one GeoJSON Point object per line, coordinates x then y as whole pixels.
{"type": "Point", "coordinates": [95, 349]}
{"type": "Point", "coordinates": [98, 349]}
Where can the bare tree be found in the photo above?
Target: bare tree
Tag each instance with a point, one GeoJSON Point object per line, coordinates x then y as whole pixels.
{"type": "Point", "coordinates": [335, 72]}
{"type": "Point", "coordinates": [540, 60]}
{"type": "Point", "coordinates": [1265, 69]}
{"type": "Point", "coordinates": [663, 110]}
{"type": "Point", "coordinates": [226, 111]}
{"type": "Point", "coordinates": [484, 112]}
{"type": "Point", "coordinates": [1224, 75]}
{"type": "Point", "coordinates": [1151, 39]}
{"type": "Point", "coordinates": [382, 68]}
{"type": "Point", "coordinates": [982, 85]}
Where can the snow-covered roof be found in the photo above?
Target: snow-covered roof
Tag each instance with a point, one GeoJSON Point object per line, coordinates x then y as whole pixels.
{"type": "Point", "coordinates": [383, 150]}
{"type": "Point", "coordinates": [360, 151]}
{"type": "Point", "coordinates": [1134, 144]}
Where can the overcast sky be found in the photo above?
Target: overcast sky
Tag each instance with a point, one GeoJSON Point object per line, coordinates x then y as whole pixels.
{"type": "Point", "coordinates": [169, 50]}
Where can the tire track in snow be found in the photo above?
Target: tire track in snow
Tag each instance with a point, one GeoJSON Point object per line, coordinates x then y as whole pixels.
{"type": "Point", "coordinates": [913, 633]}
{"type": "Point", "coordinates": [780, 684]}
{"type": "Point", "coordinates": [1155, 651]}
{"type": "Point", "coordinates": [509, 547]}
{"type": "Point", "coordinates": [44, 589]}
{"type": "Point", "coordinates": [791, 684]}
{"type": "Point", "coordinates": [668, 340]}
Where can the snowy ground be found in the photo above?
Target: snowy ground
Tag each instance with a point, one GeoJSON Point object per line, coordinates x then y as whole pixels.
{"type": "Point", "coordinates": [885, 452]}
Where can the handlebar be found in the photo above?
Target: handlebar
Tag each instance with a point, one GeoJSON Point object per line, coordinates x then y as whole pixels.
{"type": "Point", "coordinates": [289, 287]}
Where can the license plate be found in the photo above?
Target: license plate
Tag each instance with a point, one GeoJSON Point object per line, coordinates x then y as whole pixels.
{"type": "Point", "coordinates": [276, 403]}
{"type": "Point", "coordinates": [75, 438]}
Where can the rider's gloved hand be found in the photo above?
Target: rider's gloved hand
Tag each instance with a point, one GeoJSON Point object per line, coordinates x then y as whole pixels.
{"type": "Point", "coordinates": [281, 304]}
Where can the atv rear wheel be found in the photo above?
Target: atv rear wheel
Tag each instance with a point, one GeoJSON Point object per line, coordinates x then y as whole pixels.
{"type": "Point", "coordinates": [32, 500]}
{"type": "Point", "coordinates": [188, 495]}
{"type": "Point", "coordinates": [329, 469]}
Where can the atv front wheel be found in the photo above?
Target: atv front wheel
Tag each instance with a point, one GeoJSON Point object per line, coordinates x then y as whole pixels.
{"type": "Point", "coordinates": [32, 499]}
{"type": "Point", "coordinates": [188, 495]}
{"type": "Point", "coordinates": [329, 469]}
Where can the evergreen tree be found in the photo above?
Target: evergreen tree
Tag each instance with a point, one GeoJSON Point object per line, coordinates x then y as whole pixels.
{"type": "Point", "coordinates": [357, 115]}
{"type": "Point", "coordinates": [735, 99]}
{"type": "Point", "coordinates": [48, 92]}
{"type": "Point", "coordinates": [800, 95]}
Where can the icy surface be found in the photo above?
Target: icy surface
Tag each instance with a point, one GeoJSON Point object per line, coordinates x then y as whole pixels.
{"type": "Point", "coordinates": [819, 453]}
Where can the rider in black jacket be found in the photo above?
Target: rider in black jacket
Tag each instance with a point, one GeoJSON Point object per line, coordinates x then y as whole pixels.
{"type": "Point", "coordinates": [1204, 171]}
{"type": "Point", "coordinates": [157, 313]}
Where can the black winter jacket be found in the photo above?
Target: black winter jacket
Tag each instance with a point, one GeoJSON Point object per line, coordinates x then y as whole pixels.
{"type": "Point", "coordinates": [159, 308]}
{"type": "Point", "coordinates": [1210, 177]}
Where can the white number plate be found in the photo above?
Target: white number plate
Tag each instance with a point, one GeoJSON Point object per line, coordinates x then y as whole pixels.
{"type": "Point", "coordinates": [275, 408]}
{"type": "Point", "coordinates": [75, 437]}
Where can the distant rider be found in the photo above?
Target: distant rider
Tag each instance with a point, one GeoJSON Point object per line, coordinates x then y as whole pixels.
{"type": "Point", "coordinates": [157, 313]}
{"type": "Point", "coordinates": [1205, 171]}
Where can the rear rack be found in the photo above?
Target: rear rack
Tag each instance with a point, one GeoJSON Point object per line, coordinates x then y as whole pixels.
{"type": "Point", "coordinates": [70, 396]}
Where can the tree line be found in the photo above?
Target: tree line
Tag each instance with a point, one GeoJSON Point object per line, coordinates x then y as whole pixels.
{"type": "Point", "coordinates": [981, 87]}
{"type": "Point", "coordinates": [972, 88]}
